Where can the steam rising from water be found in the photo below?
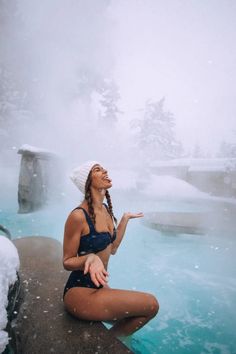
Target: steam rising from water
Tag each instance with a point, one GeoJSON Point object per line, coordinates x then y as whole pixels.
{"type": "Point", "coordinates": [59, 54]}
{"type": "Point", "coordinates": [59, 57]}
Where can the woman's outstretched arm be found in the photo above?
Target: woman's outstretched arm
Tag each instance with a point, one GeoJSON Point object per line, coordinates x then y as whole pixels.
{"type": "Point", "coordinates": [121, 229]}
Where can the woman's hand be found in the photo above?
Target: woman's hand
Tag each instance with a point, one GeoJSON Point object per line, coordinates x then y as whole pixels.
{"type": "Point", "coordinates": [95, 267]}
{"type": "Point", "coordinates": [129, 215]}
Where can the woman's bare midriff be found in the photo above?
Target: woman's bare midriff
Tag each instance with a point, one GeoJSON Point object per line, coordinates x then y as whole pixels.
{"type": "Point", "coordinates": [104, 255]}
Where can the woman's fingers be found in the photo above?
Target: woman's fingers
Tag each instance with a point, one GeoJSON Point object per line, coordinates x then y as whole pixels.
{"type": "Point", "coordinates": [139, 215]}
{"type": "Point", "coordinates": [86, 267]}
{"type": "Point", "coordinates": [98, 273]}
{"type": "Point", "coordinates": [99, 278]}
{"type": "Point", "coordinates": [104, 276]}
{"type": "Point", "coordinates": [130, 215]}
{"type": "Point", "coordinates": [105, 272]}
{"type": "Point", "coordinates": [136, 215]}
{"type": "Point", "coordinates": [94, 279]}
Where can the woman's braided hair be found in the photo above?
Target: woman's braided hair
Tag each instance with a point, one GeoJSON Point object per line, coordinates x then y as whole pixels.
{"type": "Point", "coordinates": [110, 208]}
{"type": "Point", "coordinates": [89, 199]}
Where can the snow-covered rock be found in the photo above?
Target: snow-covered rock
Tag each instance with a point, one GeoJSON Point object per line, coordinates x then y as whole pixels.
{"type": "Point", "coordinates": [9, 265]}
{"type": "Point", "coordinates": [25, 148]}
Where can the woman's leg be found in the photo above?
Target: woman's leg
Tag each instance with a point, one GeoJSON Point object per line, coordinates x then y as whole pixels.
{"type": "Point", "coordinates": [130, 309]}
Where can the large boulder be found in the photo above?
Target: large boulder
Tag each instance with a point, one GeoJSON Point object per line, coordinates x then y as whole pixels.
{"type": "Point", "coordinates": [42, 324]}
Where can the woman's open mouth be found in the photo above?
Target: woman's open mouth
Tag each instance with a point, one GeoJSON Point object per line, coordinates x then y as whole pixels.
{"type": "Point", "coordinates": [106, 178]}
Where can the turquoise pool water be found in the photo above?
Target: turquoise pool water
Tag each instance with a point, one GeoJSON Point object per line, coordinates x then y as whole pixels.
{"type": "Point", "coordinates": [193, 277]}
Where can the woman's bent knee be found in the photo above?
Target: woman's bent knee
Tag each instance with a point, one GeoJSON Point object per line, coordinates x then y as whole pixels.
{"type": "Point", "coordinates": [154, 306]}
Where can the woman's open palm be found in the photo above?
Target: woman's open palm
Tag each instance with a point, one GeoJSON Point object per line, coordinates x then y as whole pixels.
{"type": "Point", "coordinates": [130, 215]}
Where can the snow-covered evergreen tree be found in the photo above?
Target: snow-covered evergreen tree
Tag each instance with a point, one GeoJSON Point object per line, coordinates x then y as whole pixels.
{"type": "Point", "coordinates": [197, 151]}
{"type": "Point", "coordinates": [8, 98]}
{"type": "Point", "coordinates": [110, 95]}
{"type": "Point", "coordinates": [155, 137]}
{"type": "Point", "coordinates": [227, 149]}
{"type": "Point", "coordinates": [107, 91]}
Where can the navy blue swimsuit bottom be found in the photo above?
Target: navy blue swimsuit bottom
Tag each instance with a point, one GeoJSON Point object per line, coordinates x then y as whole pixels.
{"type": "Point", "coordinates": [78, 278]}
{"type": "Point", "coordinates": [90, 243]}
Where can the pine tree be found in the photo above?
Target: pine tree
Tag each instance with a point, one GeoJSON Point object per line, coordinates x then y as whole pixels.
{"type": "Point", "coordinates": [227, 149]}
{"type": "Point", "coordinates": [197, 151]}
{"type": "Point", "coordinates": [155, 137]}
{"type": "Point", "coordinates": [110, 95]}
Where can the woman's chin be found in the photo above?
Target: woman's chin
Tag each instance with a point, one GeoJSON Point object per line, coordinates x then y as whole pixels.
{"type": "Point", "coordinates": [108, 185]}
{"type": "Point", "coordinates": [104, 188]}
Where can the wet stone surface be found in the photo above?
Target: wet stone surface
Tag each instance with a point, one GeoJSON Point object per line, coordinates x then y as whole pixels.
{"type": "Point", "coordinates": [42, 324]}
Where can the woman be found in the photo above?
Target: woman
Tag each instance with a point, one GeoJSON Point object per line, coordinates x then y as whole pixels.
{"type": "Point", "coordinates": [89, 239]}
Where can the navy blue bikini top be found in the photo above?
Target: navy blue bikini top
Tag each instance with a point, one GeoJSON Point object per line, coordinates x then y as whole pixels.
{"type": "Point", "coordinates": [94, 241]}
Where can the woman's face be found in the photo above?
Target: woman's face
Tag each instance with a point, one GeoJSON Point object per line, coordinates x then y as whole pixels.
{"type": "Point", "coordinates": [100, 178]}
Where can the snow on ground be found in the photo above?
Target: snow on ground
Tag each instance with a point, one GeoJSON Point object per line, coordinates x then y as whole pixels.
{"type": "Point", "coordinates": [9, 265]}
{"type": "Point", "coordinates": [154, 186]}
{"type": "Point", "coordinates": [218, 164]}
{"type": "Point", "coordinates": [170, 187]}
{"type": "Point", "coordinates": [161, 186]}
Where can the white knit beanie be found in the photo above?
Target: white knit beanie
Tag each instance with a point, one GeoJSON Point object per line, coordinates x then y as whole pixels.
{"type": "Point", "coordinates": [80, 174]}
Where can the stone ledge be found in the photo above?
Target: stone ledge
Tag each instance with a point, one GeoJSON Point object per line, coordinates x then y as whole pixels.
{"type": "Point", "coordinates": [42, 324]}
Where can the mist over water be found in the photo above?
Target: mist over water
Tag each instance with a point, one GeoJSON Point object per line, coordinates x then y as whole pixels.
{"type": "Point", "coordinates": [59, 59]}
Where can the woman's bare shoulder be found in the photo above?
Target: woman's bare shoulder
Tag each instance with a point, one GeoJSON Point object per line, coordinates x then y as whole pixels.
{"type": "Point", "coordinates": [76, 215]}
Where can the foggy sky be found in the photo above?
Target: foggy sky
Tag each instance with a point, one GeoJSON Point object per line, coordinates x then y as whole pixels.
{"type": "Point", "coordinates": [184, 50]}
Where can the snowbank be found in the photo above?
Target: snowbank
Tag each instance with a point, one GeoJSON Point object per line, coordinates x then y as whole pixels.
{"type": "Point", "coordinates": [9, 265]}
{"type": "Point", "coordinates": [170, 187]}
{"type": "Point", "coordinates": [199, 164]}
